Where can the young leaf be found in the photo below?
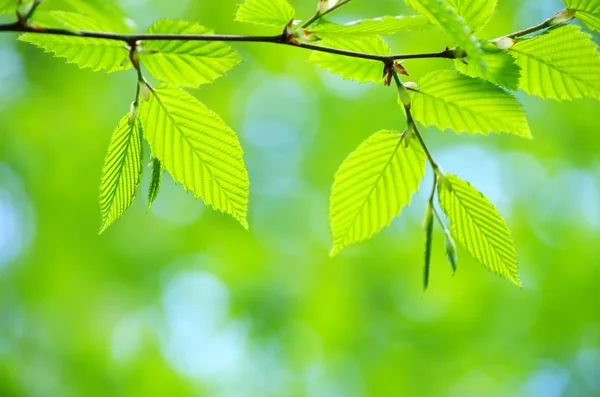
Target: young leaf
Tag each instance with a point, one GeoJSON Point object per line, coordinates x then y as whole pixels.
{"type": "Point", "coordinates": [445, 17]}
{"type": "Point", "coordinates": [428, 227]}
{"type": "Point", "coordinates": [105, 12]}
{"type": "Point", "coordinates": [561, 64]}
{"type": "Point", "coordinates": [372, 186]}
{"type": "Point", "coordinates": [155, 180]}
{"type": "Point", "coordinates": [186, 63]}
{"type": "Point", "coordinates": [479, 227]}
{"type": "Point", "coordinates": [276, 13]}
{"type": "Point", "coordinates": [448, 99]}
{"type": "Point", "coordinates": [85, 52]}
{"type": "Point", "coordinates": [475, 13]}
{"type": "Point", "coordinates": [587, 11]}
{"type": "Point", "coordinates": [369, 27]}
{"type": "Point", "coordinates": [198, 149]}
{"type": "Point", "coordinates": [501, 69]}
{"type": "Point", "coordinates": [122, 171]}
{"type": "Point", "coordinates": [361, 70]}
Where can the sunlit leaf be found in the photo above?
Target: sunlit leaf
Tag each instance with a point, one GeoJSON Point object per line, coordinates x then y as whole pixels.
{"type": "Point", "coordinates": [361, 70]}
{"type": "Point", "coordinates": [122, 171]}
{"type": "Point", "coordinates": [445, 16]}
{"type": "Point", "coordinates": [479, 227]}
{"type": "Point", "coordinates": [96, 54]}
{"type": "Point", "coordinates": [561, 64]}
{"type": "Point", "coordinates": [448, 99]}
{"type": "Point", "coordinates": [155, 181]}
{"type": "Point", "coordinates": [68, 21]}
{"type": "Point", "coordinates": [475, 13]}
{"type": "Point", "coordinates": [369, 27]}
{"type": "Point", "coordinates": [105, 12]}
{"type": "Point", "coordinates": [198, 149]}
{"type": "Point", "coordinates": [501, 69]}
{"type": "Point", "coordinates": [372, 186]}
{"type": "Point", "coordinates": [587, 11]}
{"type": "Point", "coordinates": [276, 13]}
{"type": "Point", "coordinates": [186, 63]}
{"type": "Point", "coordinates": [8, 6]}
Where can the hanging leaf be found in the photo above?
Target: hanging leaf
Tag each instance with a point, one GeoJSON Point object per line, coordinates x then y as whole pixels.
{"type": "Point", "coordinates": [561, 64]}
{"type": "Point", "coordinates": [122, 171]}
{"type": "Point", "coordinates": [448, 99]}
{"type": "Point", "coordinates": [198, 149]}
{"type": "Point", "coordinates": [370, 27]}
{"type": "Point", "coordinates": [479, 227]}
{"type": "Point", "coordinates": [587, 11]}
{"type": "Point", "coordinates": [155, 180]}
{"type": "Point", "coordinates": [186, 63]}
{"type": "Point", "coordinates": [372, 186]}
{"type": "Point", "coordinates": [276, 13]}
{"type": "Point", "coordinates": [501, 69]}
{"type": "Point", "coordinates": [361, 70]}
{"type": "Point", "coordinates": [475, 13]}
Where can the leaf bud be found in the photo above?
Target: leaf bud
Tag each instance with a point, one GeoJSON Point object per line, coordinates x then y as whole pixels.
{"type": "Point", "coordinates": [133, 113]}
{"type": "Point", "coordinates": [503, 43]}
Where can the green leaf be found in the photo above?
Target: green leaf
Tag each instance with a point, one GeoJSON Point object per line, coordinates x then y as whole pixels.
{"type": "Point", "coordinates": [186, 63]}
{"type": "Point", "coordinates": [8, 6]}
{"type": "Point", "coordinates": [372, 186]}
{"type": "Point", "coordinates": [276, 13]}
{"type": "Point", "coordinates": [96, 54]}
{"type": "Point", "coordinates": [69, 21]}
{"type": "Point", "coordinates": [479, 227]}
{"type": "Point", "coordinates": [561, 64]}
{"type": "Point", "coordinates": [361, 70]}
{"type": "Point", "coordinates": [475, 13]}
{"type": "Point", "coordinates": [445, 17]}
{"type": "Point", "coordinates": [369, 27]}
{"type": "Point", "coordinates": [155, 180]}
{"type": "Point", "coordinates": [198, 149]}
{"type": "Point", "coordinates": [501, 69]}
{"type": "Point", "coordinates": [587, 11]}
{"type": "Point", "coordinates": [105, 12]}
{"type": "Point", "coordinates": [122, 171]}
{"type": "Point", "coordinates": [448, 99]}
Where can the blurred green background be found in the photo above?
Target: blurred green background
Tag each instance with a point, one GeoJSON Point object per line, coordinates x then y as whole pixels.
{"type": "Point", "coordinates": [181, 301]}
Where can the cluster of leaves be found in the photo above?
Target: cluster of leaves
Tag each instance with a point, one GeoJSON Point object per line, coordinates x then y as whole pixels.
{"type": "Point", "coordinates": [554, 60]}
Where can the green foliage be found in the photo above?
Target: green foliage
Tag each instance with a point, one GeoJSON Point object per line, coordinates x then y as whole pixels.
{"type": "Point", "coordinates": [186, 63]}
{"type": "Point", "coordinates": [561, 64]}
{"type": "Point", "coordinates": [198, 149]}
{"type": "Point", "coordinates": [361, 70]}
{"type": "Point", "coordinates": [501, 68]}
{"type": "Point", "coordinates": [69, 21]}
{"type": "Point", "coordinates": [369, 27]}
{"type": "Point", "coordinates": [85, 52]}
{"type": "Point", "coordinates": [276, 13]}
{"type": "Point", "coordinates": [448, 99]}
{"type": "Point", "coordinates": [479, 227]}
{"type": "Point", "coordinates": [372, 186]}
{"type": "Point", "coordinates": [445, 17]}
{"type": "Point", "coordinates": [8, 6]}
{"type": "Point", "coordinates": [105, 12]}
{"type": "Point", "coordinates": [587, 11]}
{"type": "Point", "coordinates": [475, 13]}
{"type": "Point", "coordinates": [155, 181]}
{"type": "Point", "coordinates": [122, 171]}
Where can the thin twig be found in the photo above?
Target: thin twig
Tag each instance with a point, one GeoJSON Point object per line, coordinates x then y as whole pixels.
{"type": "Point", "coordinates": [318, 15]}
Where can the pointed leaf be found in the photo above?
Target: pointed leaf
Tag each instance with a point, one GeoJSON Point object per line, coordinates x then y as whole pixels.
{"type": "Point", "coordinates": [587, 11]}
{"type": "Point", "coordinates": [372, 186]}
{"type": "Point", "coordinates": [448, 99]}
{"type": "Point", "coordinates": [561, 64]}
{"type": "Point", "coordinates": [276, 13]}
{"type": "Point", "coordinates": [475, 13]}
{"type": "Point", "coordinates": [155, 180]}
{"type": "Point", "coordinates": [479, 227]}
{"type": "Point", "coordinates": [122, 171]}
{"type": "Point", "coordinates": [361, 70]}
{"type": "Point", "coordinates": [186, 63]}
{"type": "Point", "coordinates": [96, 54]}
{"type": "Point", "coordinates": [369, 27]}
{"type": "Point", "coordinates": [501, 69]}
{"type": "Point", "coordinates": [198, 149]}
{"type": "Point", "coordinates": [445, 17]}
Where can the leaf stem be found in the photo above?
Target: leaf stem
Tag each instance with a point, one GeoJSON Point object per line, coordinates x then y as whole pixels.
{"type": "Point", "coordinates": [319, 15]}
{"type": "Point", "coordinates": [560, 17]}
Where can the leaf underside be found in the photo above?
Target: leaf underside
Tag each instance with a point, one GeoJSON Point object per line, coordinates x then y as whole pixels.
{"type": "Point", "coordinates": [198, 149]}
{"type": "Point", "coordinates": [479, 227]}
{"type": "Point", "coordinates": [448, 99]}
{"type": "Point", "coordinates": [372, 186]}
